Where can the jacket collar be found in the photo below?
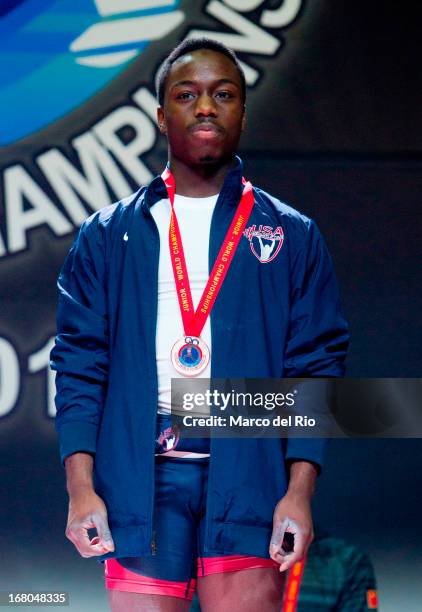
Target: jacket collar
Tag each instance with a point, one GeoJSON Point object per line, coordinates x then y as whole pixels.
{"type": "Point", "coordinates": [230, 193]}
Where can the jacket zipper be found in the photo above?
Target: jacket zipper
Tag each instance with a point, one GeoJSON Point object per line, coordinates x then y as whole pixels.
{"type": "Point", "coordinates": [207, 506]}
{"type": "Point", "coordinates": [153, 544]}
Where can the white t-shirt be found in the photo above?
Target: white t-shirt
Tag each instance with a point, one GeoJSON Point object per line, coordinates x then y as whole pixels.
{"type": "Point", "coordinates": [194, 219]}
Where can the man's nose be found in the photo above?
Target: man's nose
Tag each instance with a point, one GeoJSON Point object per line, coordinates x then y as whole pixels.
{"type": "Point", "coordinates": [205, 106]}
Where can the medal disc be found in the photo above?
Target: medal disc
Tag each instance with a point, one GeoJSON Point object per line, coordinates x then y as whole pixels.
{"type": "Point", "coordinates": [190, 356]}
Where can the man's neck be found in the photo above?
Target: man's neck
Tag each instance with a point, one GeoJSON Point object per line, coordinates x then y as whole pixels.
{"type": "Point", "coordinates": [199, 181]}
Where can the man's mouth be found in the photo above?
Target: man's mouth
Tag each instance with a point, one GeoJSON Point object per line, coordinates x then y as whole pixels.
{"type": "Point", "coordinates": [206, 130]}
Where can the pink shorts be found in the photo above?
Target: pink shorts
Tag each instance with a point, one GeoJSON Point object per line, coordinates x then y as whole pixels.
{"type": "Point", "coordinates": [119, 578]}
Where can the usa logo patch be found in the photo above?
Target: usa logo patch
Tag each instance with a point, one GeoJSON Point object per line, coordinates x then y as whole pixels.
{"type": "Point", "coordinates": [265, 242]}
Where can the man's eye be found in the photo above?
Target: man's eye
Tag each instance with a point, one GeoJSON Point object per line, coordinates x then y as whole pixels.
{"type": "Point", "coordinates": [224, 94]}
{"type": "Point", "coordinates": [185, 95]}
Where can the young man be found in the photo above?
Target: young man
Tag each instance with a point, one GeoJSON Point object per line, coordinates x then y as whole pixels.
{"type": "Point", "coordinates": [170, 282]}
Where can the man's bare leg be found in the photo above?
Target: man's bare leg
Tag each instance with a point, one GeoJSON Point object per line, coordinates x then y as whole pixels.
{"type": "Point", "coordinates": [122, 601]}
{"type": "Point", "coordinates": [248, 590]}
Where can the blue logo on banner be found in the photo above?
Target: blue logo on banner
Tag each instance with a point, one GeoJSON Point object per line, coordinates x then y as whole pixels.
{"type": "Point", "coordinates": [55, 54]}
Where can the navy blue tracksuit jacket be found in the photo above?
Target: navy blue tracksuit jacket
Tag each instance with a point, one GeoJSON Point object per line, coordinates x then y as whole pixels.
{"type": "Point", "coordinates": [278, 318]}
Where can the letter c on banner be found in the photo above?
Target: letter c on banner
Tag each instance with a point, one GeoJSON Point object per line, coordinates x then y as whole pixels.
{"type": "Point", "coordinates": [281, 17]}
{"type": "Point", "coordinates": [9, 377]}
{"type": "Point", "coordinates": [243, 6]}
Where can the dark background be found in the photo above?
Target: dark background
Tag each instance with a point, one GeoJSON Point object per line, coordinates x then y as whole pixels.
{"type": "Point", "coordinates": [334, 130]}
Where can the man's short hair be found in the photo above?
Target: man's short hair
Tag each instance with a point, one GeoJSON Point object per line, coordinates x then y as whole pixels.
{"type": "Point", "coordinates": [188, 46]}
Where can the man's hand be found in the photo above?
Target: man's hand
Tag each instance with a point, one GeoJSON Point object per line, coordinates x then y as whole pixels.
{"type": "Point", "coordinates": [293, 515]}
{"type": "Point", "coordinates": [87, 510]}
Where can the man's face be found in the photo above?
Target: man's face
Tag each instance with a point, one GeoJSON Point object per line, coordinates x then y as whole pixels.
{"type": "Point", "coordinates": [203, 112]}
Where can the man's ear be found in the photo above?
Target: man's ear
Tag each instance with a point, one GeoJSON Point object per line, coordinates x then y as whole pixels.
{"type": "Point", "coordinates": [244, 119]}
{"type": "Point", "coordinates": [161, 120]}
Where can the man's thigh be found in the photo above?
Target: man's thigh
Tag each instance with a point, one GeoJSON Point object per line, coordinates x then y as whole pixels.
{"type": "Point", "coordinates": [121, 601]}
{"type": "Point", "coordinates": [249, 590]}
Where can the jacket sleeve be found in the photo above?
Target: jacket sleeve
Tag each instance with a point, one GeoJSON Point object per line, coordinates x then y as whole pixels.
{"type": "Point", "coordinates": [80, 354]}
{"type": "Point", "coordinates": [318, 333]}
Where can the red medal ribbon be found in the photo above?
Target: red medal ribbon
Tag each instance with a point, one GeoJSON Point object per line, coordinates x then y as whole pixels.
{"type": "Point", "coordinates": [194, 321]}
